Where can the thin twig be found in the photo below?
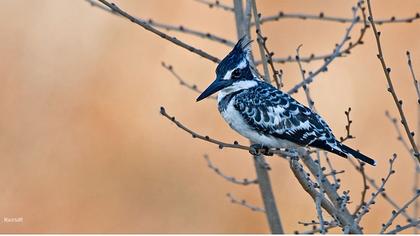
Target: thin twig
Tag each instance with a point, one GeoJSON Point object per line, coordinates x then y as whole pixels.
{"type": "Point", "coordinates": [391, 89]}
{"type": "Point", "coordinates": [417, 167]}
{"type": "Point", "coordinates": [336, 52]}
{"type": "Point", "coordinates": [385, 196]}
{"type": "Point", "coordinates": [317, 230]}
{"type": "Point", "coordinates": [322, 17]}
{"type": "Point", "coordinates": [343, 52]}
{"type": "Point", "coordinates": [349, 122]}
{"type": "Point", "coordinates": [148, 27]}
{"type": "Point", "coordinates": [311, 102]}
{"type": "Point", "coordinates": [231, 179]}
{"type": "Point", "coordinates": [365, 187]}
{"type": "Point", "coordinates": [401, 228]}
{"type": "Point", "coordinates": [333, 171]}
{"type": "Point", "coordinates": [365, 208]}
{"type": "Point", "coordinates": [186, 30]}
{"type": "Point", "coordinates": [320, 175]}
{"type": "Point", "coordinates": [413, 75]}
{"type": "Point", "coordinates": [260, 41]}
{"type": "Point", "coordinates": [319, 198]}
{"type": "Point", "coordinates": [345, 217]}
{"type": "Point", "coordinates": [277, 74]}
{"type": "Point", "coordinates": [182, 82]}
{"type": "Point", "coordinates": [216, 4]}
{"type": "Point", "coordinates": [396, 213]}
{"type": "Point", "coordinates": [400, 138]}
{"type": "Point", "coordinates": [244, 203]}
{"type": "Point", "coordinates": [309, 187]}
{"type": "Point", "coordinates": [221, 144]}
{"type": "Point", "coordinates": [168, 27]}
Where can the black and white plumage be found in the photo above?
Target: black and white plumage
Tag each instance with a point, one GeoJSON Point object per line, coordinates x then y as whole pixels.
{"type": "Point", "coordinates": [265, 115]}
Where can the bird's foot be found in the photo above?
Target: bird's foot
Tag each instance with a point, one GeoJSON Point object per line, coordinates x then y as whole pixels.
{"type": "Point", "coordinates": [257, 149]}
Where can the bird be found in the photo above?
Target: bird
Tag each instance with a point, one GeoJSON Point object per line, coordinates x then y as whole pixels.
{"type": "Point", "coordinates": [263, 114]}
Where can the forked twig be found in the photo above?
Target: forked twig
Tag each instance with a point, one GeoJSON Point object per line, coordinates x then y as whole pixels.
{"type": "Point", "coordinates": [396, 213]}
{"type": "Point", "coordinates": [235, 144]}
{"type": "Point", "coordinates": [322, 17]}
{"type": "Point", "coordinates": [231, 179]}
{"type": "Point", "coordinates": [335, 53]}
{"type": "Point", "coordinates": [400, 228]}
{"type": "Point", "coordinates": [362, 203]}
{"type": "Point", "coordinates": [169, 27]}
{"type": "Point", "coordinates": [148, 27]}
{"type": "Point", "coordinates": [365, 208]}
{"type": "Point", "coordinates": [244, 203]}
{"type": "Point", "coordinates": [277, 74]}
{"type": "Point", "coordinates": [182, 82]}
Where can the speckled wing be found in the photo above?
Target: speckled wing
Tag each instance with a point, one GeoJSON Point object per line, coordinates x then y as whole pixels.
{"type": "Point", "coordinates": [274, 113]}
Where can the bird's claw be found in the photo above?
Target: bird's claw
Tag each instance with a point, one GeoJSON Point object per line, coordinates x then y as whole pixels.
{"type": "Point", "coordinates": [257, 149]}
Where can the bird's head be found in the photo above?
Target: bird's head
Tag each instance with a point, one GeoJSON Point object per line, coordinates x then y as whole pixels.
{"type": "Point", "coordinates": [233, 70]}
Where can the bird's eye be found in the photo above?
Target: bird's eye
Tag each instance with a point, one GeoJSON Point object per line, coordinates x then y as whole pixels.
{"type": "Point", "coordinates": [236, 74]}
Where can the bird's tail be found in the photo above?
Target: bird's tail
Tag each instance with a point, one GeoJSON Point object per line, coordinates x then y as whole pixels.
{"type": "Point", "coordinates": [358, 155]}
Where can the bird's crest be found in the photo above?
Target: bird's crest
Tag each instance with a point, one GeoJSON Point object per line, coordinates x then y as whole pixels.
{"type": "Point", "coordinates": [239, 53]}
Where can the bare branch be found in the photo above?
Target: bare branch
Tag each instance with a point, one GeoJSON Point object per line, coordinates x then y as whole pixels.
{"type": "Point", "coordinates": [333, 172]}
{"type": "Point", "coordinates": [385, 196]}
{"type": "Point", "coordinates": [365, 187]}
{"type": "Point", "coordinates": [244, 203]}
{"type": "Point", "coordinates": [182, 82]}
{"type": "Point", "coordinates": [168, 27]}
{"type": "Point", "coordinates": [343, 52]}
{"type": "Point", "coordinates": [391, 89]}
{"type": "Point", "coordinates": [260, 41]}
{"type": "Point", "coordinates": [400, 138]}
{"type": "Point", "coordinates": [277, 75]}
{"type": "Point", "coordinates": [216, 4]}
{"type": "Point", "coordinates": [335, 53]}
{"type": "Point", "coordinates": [317, 229]}
{"type": "Point", "coordinates": [186, 30]}
{"type": "Point", "coordinates": [231, 179]}
{"type": "Point", "coordinates": [267, 195]}
{"type": "Point", "coordinates": [345, 217]}
{"type": "Point", "coordinates": [365, 208]}
{"type": "Point", "coordinates": [311, 102]}
{"type": "Point", "coordinates": [235, 144]}
{"type": "Point", "coordinates": [349, 122]}
{"type": "Point", "coordinates": [413, 75]}
{"type": "Point", "coordinates": [396, 213]}
{"type": "Point", "coordinates": [309, 187]}
{"type": "Point", "coordinates": [400, 228]}
{"type": "Point", "coordinates": [322, 17]}
{"type": "Point", "coordinates": [148, 27]}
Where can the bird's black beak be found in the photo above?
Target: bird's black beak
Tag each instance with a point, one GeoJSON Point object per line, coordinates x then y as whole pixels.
{"type": "Point", "coordinates": [217, 85]}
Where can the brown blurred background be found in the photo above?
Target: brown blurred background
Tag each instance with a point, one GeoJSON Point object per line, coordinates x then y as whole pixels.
{"type": "Point", "coordinates": [84, 149]}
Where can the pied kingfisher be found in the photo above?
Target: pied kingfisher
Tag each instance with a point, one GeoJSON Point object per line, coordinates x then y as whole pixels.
{"type": "Point", "coordinates": [263, 114]}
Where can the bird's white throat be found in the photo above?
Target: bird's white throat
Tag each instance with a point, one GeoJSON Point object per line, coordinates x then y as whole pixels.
{"type": "Point", "coordinates": [236, 86]}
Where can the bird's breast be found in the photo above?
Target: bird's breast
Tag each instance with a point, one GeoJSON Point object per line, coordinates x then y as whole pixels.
{"type": "Point", "coordinates": [237, 123]}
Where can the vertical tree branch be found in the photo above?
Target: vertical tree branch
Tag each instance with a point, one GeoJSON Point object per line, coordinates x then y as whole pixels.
{"type": "Point", "coordinates": [417, 166]}
{"type": "Point", "coordinates": [264, 183]}
{"type": "Point", "coordinates": [260, 42]}
{"type": "Point", "coordinates": [267, 195]}
{"type": "Point", "coordinates": [391, 89]}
